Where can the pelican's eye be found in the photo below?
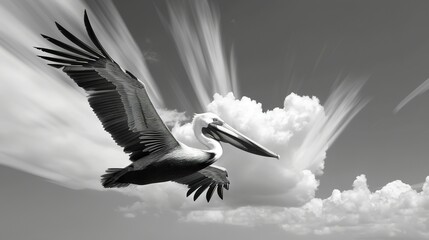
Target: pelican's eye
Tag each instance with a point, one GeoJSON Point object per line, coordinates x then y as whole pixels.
{"type": "Point", "coordinates": [217, 121]}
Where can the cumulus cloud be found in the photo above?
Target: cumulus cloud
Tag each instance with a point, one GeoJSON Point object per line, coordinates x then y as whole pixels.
{"type": "Point", "coordinates": [394, 211]}
{"type": "Point", "coordinates": [419, 90]}
{"type": "Point", "coordinates": [281, 130]}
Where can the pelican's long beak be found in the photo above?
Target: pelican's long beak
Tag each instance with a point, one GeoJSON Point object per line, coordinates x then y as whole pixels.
{"type": "Point", "coordinates": [226, 133]}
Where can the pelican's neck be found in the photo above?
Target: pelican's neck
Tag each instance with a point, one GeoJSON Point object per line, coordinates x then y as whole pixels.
{"type": "Point", "coordinates": [212, 145]}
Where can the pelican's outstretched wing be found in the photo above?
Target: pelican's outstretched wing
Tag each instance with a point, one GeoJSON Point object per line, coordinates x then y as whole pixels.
{"type": "Point", "coordinates": [117, 97]}
{"type": "Point", "coordinates": [209, 177]}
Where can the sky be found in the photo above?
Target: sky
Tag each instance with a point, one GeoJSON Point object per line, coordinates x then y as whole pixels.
{"type": "Point", "coordinates": [338, 88]}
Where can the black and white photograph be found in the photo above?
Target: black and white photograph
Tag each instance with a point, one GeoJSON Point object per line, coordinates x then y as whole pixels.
{"type": "Point", "coordinates": [214, 119]}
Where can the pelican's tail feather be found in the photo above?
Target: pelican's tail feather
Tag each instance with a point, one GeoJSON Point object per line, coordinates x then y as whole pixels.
{"type": "Point", "coordinates": [110, 178]}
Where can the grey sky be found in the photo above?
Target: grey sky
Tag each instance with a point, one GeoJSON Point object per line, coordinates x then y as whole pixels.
{"type": "Point", "coordinates": [280, 47]}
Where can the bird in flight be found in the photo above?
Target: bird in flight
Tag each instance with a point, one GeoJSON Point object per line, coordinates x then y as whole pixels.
{"type": "Point", "coordinates": [121, 103]}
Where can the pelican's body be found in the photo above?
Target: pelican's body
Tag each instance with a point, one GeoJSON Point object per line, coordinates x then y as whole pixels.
{"type": "Point", "coordinates": [170, 166]}
{"type": "Point", "coordinates": [121, 103]}
{"type": "Point", "coordinates": [173, 165]}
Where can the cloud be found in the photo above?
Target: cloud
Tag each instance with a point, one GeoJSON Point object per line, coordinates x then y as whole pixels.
{"type": "Point", "coordinates": [282, 130]}
{"type": "Point", "coordinates": [171, 117]}
{"type": "Point", "coordinates": [419, 90]}
{"type": "Point", "coordinates": [394, 211]}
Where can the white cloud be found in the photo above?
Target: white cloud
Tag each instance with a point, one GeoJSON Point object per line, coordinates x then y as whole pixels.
{"type": "Point", "coordinates": [394, 211]}
{"type": "Point", "coordinates": [171, 117]}
{"type": "Point", "coordinates": [281, 130]}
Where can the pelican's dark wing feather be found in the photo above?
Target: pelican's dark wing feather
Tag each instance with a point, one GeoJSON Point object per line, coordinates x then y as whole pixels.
{"type": "Point", "coordinates": [63, 54]}
{"type": "Point", "coordinates": [117, 97]}
{"type": "Point", "coordinates": [210, 178]}
{"type": "Point", "coordinates": [77, 41]}
{"type": "Point", "coordinates": [68, 47]}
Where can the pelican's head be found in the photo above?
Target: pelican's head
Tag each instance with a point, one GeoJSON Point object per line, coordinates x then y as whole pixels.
{"type": "Point", "coordinates": [212, 126]}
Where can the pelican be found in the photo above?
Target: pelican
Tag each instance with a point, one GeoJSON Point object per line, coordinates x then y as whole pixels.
{"type": "Point", "coordinates": [121, 103]}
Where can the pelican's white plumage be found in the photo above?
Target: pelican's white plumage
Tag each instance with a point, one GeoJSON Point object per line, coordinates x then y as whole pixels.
{"type": "Point", "coordinates": [121, 103]}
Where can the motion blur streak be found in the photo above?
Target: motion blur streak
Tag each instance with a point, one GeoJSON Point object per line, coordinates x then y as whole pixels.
{"type": "Point", "coordinates": [341, 107]}
{"type": "Point", "coordinates": [196, 31]}
{"type": "Point", "coordinates": [419, 90]}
